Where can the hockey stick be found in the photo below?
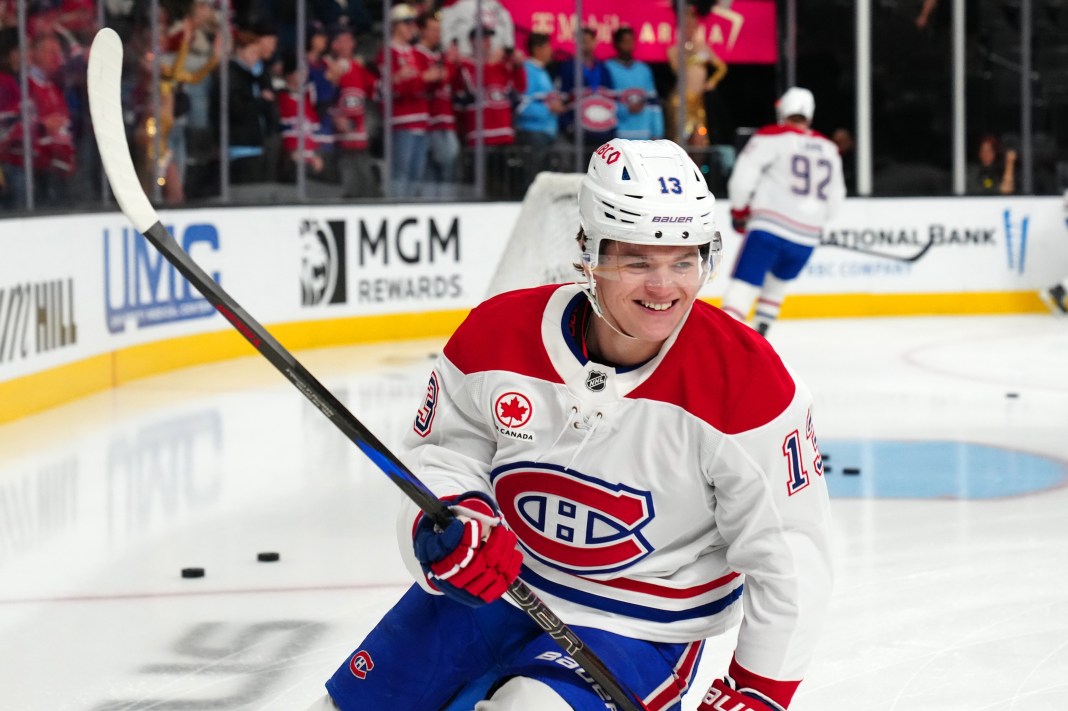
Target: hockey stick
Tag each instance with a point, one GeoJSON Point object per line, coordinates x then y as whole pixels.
{"type": "Point", "coordinates": [881, 255]}
{"type": "Point", "coordinates": [105, 107]}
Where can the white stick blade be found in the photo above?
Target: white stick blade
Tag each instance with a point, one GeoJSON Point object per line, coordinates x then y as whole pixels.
{"type": "Point", "coordinates": [105, 106]}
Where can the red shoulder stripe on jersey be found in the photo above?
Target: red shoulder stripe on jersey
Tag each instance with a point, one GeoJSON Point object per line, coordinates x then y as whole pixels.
{"type": "Point", "coordinates": [504, 333]}
{"type": "Point", "coordinates": [721, 371]}
{"type": "Point", "coordinates": [778, 691]}
{"type": "Point", "coordinates": [778, 129]}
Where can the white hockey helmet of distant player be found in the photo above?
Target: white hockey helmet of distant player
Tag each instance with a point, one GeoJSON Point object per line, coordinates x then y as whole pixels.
{"type": "Point", "coordinates": [796, 102]}
{"type": "Point", "coordinates": [645, 192]}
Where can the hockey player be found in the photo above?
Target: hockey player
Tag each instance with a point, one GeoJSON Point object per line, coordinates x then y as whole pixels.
{"type": "Point", "coordinates": [786, 185]}
{"type": "Point", "coordinates": [646, 463]}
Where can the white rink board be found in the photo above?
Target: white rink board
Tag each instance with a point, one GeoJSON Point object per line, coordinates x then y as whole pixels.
{"type": "Point", "coordinates": [77, 286]}
{"type": "Point", "coordinates": [979, 245]}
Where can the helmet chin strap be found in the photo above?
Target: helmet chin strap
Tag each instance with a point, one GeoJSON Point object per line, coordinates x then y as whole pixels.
{"type": "Point", "coordinates": [590, 287]}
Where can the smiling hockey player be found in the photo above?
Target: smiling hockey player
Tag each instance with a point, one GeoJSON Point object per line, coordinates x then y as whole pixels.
{"type": "Point", "coordinates": [642, 460]}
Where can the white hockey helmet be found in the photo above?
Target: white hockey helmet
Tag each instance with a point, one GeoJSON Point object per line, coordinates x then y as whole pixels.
{"type": "Point", "coordinates": [796, 102]}
{"type": "Point", "coordinates": [645, 192]}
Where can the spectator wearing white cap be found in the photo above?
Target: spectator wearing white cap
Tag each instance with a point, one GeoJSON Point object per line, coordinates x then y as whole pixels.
{"type": "Point", "coordinates": [410, 106]}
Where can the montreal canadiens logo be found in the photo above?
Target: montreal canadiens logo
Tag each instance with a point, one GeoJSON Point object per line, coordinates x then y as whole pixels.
{"type": "Point", "coordinates": [512, 410]}
{"type": "Point", "coordinates": [573, 522]}
{"type": "Point", "coordinates": [360, 664]}
{"type": "Point", "coordinates": [598, 113]}
{"type": "Point", "coordinates": [633, 99]}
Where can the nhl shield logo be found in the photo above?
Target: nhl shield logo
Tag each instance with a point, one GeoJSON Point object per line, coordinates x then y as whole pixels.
{"type": "Point", "coordinates": [596, 380]}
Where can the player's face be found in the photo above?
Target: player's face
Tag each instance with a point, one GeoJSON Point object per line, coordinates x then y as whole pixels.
{"type": "Point", "coordinates": [645, 291]}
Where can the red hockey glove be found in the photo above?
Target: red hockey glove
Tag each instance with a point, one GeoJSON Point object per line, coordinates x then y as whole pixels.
{"type": "Point", "coordinates": [739, 219]}
{"type": "Point", "coordinates": [721, 697]}
{"type": "Point", "coordinates": [475, 558]}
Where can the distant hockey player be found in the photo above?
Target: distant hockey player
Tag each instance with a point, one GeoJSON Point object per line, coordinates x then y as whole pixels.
{"type": "Point", "coordinates": [643, 461]}
{"type": "Point", "coordinates": [786, 185]}
{"type": "Point", "coordinates": [1056, 297]}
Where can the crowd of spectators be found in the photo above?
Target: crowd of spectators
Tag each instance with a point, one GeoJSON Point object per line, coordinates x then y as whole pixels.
{"type": "Point", "coordinates": [449, 88]}
{"type": "Point", "coordinates": [445, 95]}
{"type": "Point", "coordinates": [355, 114]}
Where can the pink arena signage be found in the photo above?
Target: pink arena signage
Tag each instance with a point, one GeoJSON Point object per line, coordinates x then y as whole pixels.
{"type": "Point", "coordinates": [744, 34]}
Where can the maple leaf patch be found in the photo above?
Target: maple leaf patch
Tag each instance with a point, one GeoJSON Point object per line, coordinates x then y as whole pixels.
{"type": "Point", "coordinates": [512, 410]}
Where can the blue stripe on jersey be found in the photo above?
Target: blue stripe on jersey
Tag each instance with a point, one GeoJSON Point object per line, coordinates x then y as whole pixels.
{"type": "Point", "coordinates": [629, 609]}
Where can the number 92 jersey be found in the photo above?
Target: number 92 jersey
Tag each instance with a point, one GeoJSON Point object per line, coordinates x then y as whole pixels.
{"type": "Point", "coordinates": [654, 501]}
{"type": "Point", "coordinates": [791, 179]}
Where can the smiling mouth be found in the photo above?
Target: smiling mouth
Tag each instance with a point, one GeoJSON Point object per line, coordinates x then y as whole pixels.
{"type": "Point", "coordinates": [657, 305]}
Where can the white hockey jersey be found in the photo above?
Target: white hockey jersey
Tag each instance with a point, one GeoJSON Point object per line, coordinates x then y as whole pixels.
{"type": "Point", "coordinates": [643, 498]}
{"type": "Point", "coordinates": [792, 181]}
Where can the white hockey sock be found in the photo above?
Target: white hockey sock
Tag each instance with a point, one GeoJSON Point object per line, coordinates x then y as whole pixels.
{"type": "Point", "coordinates": [738, 300]}
{"type": "Point", "coordinates": [769, 303]}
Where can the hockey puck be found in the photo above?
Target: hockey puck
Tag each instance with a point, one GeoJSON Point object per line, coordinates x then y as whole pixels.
{"type": "Point", "coordinates": [825, 457]}
{"type": "Point", "coordinates": [269, 557]}
{"type": "Point", "coordinates": [851, 471]}
{"type": "Point", "coordinates": [1012, 395]}
{"type": "Point", "coordinates": [192, 572]}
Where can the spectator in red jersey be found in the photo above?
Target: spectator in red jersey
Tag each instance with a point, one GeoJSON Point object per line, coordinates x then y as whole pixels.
{"type": "Point", "coordinates": [410, 106]}
{"type": "Point", "coordinates": [295, 147]}
{"type": "Point", "coordinates": [53, 142]}
{"type": "Point", "coordinates": [356, 86]}
{"type": "Point", "coordinates": [439, 72]}
{"type": "Point", "coordinates": [12, 170]}
{"type": "Point", "coordinates": [503, 80]}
